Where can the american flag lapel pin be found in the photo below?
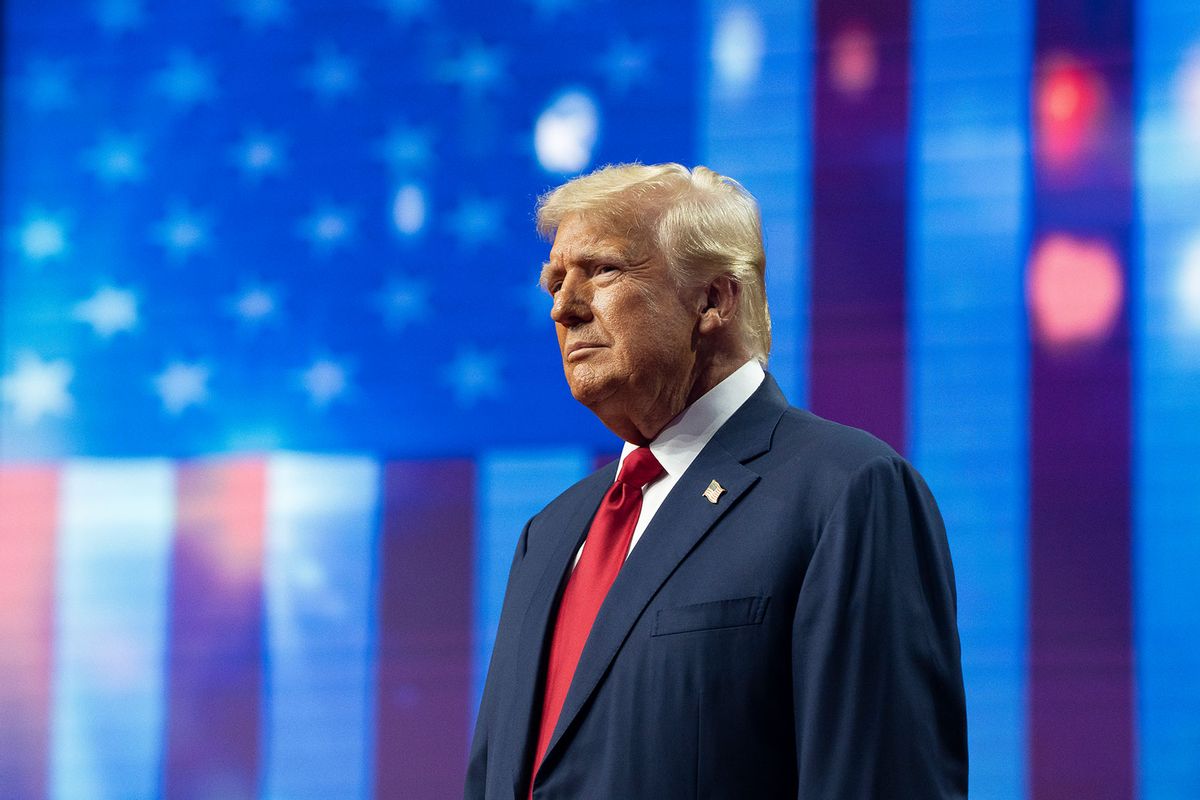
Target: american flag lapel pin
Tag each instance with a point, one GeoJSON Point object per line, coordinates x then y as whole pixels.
{"type": "Point", "coordinates": [713, 492]}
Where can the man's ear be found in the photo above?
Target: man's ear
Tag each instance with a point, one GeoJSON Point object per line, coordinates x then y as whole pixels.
{"type": "Point", "coordinates": [719, 303]}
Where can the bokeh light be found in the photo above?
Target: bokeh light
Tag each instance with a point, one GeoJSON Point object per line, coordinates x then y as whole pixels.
{"type": "Point", "coordinates": [854, 61]}
{"type": "Point", "coordinates": [1074, 290]}
{"type": "Point", "coordinates": [737, 50]}
{"type": "Point", "coordinates": [566, 132]}
{"type": "Point", "coordinates": [408, 209]}
{"type": "Point", "coordinates": [1071, 102]}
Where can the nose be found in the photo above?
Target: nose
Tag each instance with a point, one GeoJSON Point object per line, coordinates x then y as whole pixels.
{"type": "Point", "coordinates": [571, 301]}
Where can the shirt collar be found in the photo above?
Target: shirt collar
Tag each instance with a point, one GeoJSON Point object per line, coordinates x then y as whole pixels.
{"type": "Point", "coordinates": [682, 440]}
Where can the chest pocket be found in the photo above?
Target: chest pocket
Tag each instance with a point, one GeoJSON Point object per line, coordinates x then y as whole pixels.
{"type": "Point", "coordinates": [716, 614]}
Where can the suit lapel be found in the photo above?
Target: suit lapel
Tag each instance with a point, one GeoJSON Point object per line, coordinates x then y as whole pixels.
{"type": "Point", "coordinates": [569, 527]}
{"type": "Point", "coordinates": [680, 523]}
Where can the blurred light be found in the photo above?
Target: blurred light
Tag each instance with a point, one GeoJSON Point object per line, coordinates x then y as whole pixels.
{"type": "Point", "coordinates": [1074, 290]}
{"type": "Point", "coordinates": [37, 388]}
{"type": "Point", "coordinates": [1071, 102]}
{"type": "Point", "coordinates": [1187, 94]}
{"type": "Point", "coordinates": [1188, 286]}
{"type": "Point", "coordinates": [260, 155]}
{"type": "Point", "coordinates": [108, 311]}
{"type": "Point", "coordinates": [254, 305]}
{"type": "Point", "coordinates": [854, 61]}
{"type": "Point", "coordinates": [182, 385]}
{"type": "Point", "coordinates": [408, 209]}
{"type": "Point", "coordinates": [737, 50]}
{"type": "Point", "coordinates": [566, 133]}
{"type": "Point", "coordinates": [43, 238]}
{"type": "Point", "coordinates": [330, 227]}
{"type": "Point", "coordinates": [324, 381]}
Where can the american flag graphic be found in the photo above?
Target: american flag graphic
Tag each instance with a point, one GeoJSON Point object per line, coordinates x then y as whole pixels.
{"type": "Point", "coordinates": [278, 389]}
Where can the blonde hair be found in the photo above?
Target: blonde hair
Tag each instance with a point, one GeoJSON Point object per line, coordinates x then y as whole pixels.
{"type": "Point", "coordinates": [704, 224]}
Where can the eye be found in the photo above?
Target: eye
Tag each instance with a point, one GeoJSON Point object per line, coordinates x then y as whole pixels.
{"type": "Point", "coordinates": [605, 268]}
{"type": "Point", "coordinates": [554, 287]}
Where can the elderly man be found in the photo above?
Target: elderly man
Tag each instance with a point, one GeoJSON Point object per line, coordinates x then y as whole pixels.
{"type": "Point", "coordinates": [753, 602]}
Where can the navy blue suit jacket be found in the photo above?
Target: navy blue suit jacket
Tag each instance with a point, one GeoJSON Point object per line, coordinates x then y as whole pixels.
{"type": "Point", "coordinates": [795, 639]}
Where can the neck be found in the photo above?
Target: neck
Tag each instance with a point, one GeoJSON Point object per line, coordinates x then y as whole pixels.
{"type": "Point", "coordinates": [643, 424]}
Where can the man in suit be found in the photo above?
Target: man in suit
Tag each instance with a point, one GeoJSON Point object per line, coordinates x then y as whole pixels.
{"type": "Point", "coordinates": [753, 602]}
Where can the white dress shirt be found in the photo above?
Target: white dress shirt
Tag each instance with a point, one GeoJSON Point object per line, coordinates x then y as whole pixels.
{"type": "Point", "coordinates": [686, 435]}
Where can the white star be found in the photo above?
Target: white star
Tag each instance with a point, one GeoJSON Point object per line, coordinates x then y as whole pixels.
{"type": "Point", "coordinates": [328, 227]}
{"type": "Point", "coordinates": [477, 69]}
{"type": "Point", "coordinates": [331, 75]}
{"type": "Point", "coordinates": [259, 154]}
{"type": "Point", "coordinates": [255, 304]}
{"type": "Point", "coordinates": [181, 385]}
{"type": "Point", "coordinates": [407, 149]}
{"type": "Point", "coordinates": [118, 16]}
{"type": "Point", "coordinates": [108, 311]}
{"type": "Point", "coordinates": [182, 232]}
{"type": "Point", "coordinates": [624, 64]}
{"type": "Point", "coordinates": [324, 381]}
{"type": "Point", "coordinates": [186, 80]}
{"type": "Point", "coordinates": [404, 10]}
{"type": "Point", "coordinates": [37, 388]}
{"type": "Point", "coordinates": [47, 86]}
{"type": "Point", "coordinates": [475, 221]}
{"type": "Point", "coordinates": [43, 237]}
{"type": "Point", "coordinates": [259, 14]}
{"type": "Point", "coordinates": [116, 159]}
{"type": "Point", "coordinates": [473, 375]}
{"type": "Point", "coordinates": [404, 301]}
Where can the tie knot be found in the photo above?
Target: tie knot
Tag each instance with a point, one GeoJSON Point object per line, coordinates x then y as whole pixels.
{"type": "Point", "coordinates": [639, 468]}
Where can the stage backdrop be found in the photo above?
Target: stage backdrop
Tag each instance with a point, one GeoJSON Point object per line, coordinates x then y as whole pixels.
{"type": "Point", "coordinates": [278, 388]}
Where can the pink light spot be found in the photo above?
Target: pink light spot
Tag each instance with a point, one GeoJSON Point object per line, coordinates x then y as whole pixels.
{"type": "Point", "coordinates": [1074, 289]}
{"type": "Point", "coordinates": [854, 61]}
{"type": "Point", "coordinates": [1071, 103]}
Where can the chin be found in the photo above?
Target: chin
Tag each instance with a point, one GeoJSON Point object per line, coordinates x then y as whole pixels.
{"type": "Point", "coordinates": [589, 387]}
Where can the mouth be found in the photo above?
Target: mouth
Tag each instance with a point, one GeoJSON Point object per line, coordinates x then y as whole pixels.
{"type": "Point", "coordinates": [578, 350]}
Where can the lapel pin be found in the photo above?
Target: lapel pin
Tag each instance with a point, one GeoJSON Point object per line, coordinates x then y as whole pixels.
{"type": "Point", "coordinates": [713, 492]}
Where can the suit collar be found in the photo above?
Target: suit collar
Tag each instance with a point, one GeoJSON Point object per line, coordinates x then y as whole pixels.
{"type": "Point", "coordinates": [748, 432]}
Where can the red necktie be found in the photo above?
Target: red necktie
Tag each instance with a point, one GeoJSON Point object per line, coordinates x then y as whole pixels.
{"type": "Point", "coordinates": [604, 552]}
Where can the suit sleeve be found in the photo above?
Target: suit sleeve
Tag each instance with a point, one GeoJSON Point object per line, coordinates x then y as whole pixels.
{"type": "Point", "coordinates": [877, 678]}
{"type": "Point", "coordinates": [476, 782]}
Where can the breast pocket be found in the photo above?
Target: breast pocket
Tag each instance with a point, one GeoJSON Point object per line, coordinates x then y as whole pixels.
{"type": "Point", "coordinates": [713, 615]}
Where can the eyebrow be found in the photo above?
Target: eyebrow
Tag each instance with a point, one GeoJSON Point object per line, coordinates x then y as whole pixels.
{"type": "Point", "coordinates": [544, 279]}
{"type": "Point", "coordinates": [586, 257]}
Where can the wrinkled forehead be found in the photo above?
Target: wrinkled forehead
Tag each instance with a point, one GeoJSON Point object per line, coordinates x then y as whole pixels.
{"type": "Point", "coordinates": [583, 238]}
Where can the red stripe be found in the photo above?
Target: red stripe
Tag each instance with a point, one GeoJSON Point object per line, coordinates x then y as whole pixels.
{"type": "Point", "coordinates": [860, 141]}
{"type": "Point", "coordinates": [28, 514]}
{"type": "Point", "coordinates": [425, 629]}
{"type": "Point", "coordinates": [1081, 712]}
{"type": "Point", "coordinates": [216, 631]}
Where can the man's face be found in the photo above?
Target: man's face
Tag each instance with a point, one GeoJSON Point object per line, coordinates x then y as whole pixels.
{"type": "Point", "coordinates": [625, 330]}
